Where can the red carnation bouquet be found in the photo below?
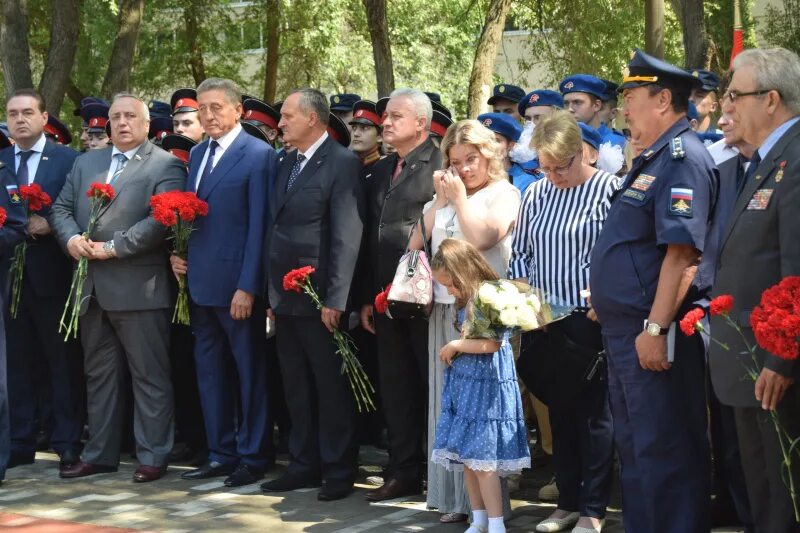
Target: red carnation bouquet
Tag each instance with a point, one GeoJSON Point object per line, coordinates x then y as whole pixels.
{"type": "Point", "coordinates": [299, 280]}
{"type": "Point", "coordinates": [3, 216]}
{"type": "Point", "coordinates": [381, 303]}
{"type": "Point", "coordinates": [776, 327]}
{"type": "Point", "coordinates": [36, 200]}
{"type": "Point", "coordinates": [177, 210]}
{"type": "Point", "coordinates": [100, 194]}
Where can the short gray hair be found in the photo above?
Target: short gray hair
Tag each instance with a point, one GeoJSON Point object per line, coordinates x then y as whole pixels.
{"type": "Point", "coordinates": [232, 92]}
{"type": "Point", "coordinates": [420, 100]}
{"type": "Point", "coordinates": [145, 109]}
{"type": "Point", "coordinates": [774, 68]}
{"type": "Point", "coordinates": [314, 101]}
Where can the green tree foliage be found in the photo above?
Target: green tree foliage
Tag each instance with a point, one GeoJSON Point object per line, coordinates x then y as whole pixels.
{"type": "Point", "coordinates": [783, 25]}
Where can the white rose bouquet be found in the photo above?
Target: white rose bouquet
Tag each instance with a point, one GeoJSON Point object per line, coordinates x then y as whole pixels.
{"type": "Point", "coordinates": [507, 306]}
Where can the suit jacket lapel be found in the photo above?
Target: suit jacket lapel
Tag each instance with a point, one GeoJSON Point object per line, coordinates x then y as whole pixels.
{"type": "Point", "coordinates": [764, 171]}
{"type": "Point", "coordinates": [195, 158]}
{"type": "Point", "coordinates": [128, 173]}
{"type": "Point", "coordinates": [285, 162]}
{"type": "Point", "coordinates": [43, 170]}
{"type": "Point", "coordinates": [229, 159]}
{"type": "Point", "coordinates": [308, 170]}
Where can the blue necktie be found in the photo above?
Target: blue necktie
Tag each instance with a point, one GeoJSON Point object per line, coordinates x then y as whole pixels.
{"type": "Point", "coordinates": [295, 170]}
{"type": "Point", "coordinates": [22, 170]}
{"type": "Point", "coordinates": [122, 160]}
{"type": "Point", "coordinates": [212, 147]}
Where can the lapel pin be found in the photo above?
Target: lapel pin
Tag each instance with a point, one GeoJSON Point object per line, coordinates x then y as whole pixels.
{"type": "Point", "coordinates": [413, 166]}
{"type": "Point", "coordinates": [44, 158]}
{"type": "Point", "coordinates": [137, 157]}
{"type": "Point", "coordinates": [758, 177]}
{"type": "Point", "coordinates": [779, 175]}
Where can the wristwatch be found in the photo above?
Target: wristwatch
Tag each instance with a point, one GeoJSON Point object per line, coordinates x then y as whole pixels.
{"type": "Point", "coordinates": [108, 247]}
{"type": "Point", "coordinates": [654, 330]}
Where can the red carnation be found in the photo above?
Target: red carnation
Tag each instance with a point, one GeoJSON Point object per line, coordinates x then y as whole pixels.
{"type": "Point", "coordinates": [776, 321]}
{"type": "Point", "coordinates": [3, 216]}
{"type": "Point", "coordinates": [722, 305]}
{"type": "Point", "coordinates": [36, 198]}
{"type": "Point", "coordinates": [295, 279]}
{"type": "Point", "coordinates": [382, 300]}
{"type": "Point", "coordinates": [691, 321]}
{"type": "Point", "coordinates": [101, 191]}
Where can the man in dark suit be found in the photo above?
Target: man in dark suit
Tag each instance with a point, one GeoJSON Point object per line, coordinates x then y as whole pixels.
{"type": "Point", "coordinates": [400, 186]}
{"type": "Point", "coordinates": [760, 246]}
{"type": "Point", "coordinates": [231, 171]}
{"type": "Point", "coordinates": [125, 315]}
{"type": "Point", "coordinates": [317, 211]}
{"type": "Point", "coordinates": [12, 233]}
{"type": "Point", "coordinates": [33, 338]}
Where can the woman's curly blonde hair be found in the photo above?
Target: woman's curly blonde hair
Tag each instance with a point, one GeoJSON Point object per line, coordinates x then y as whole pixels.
{"type": "Point", "coordinates": [474, 133]}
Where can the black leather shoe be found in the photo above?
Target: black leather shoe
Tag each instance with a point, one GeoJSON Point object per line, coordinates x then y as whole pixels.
{"type": "Point", "coordinates": [243, 475]}
{"type": "Point", "coordinates": [289, 482]}
{"type": "Point", "coordinates": [209, 470]}
{"type": "Point", "coordinates": [68, 458]}
{"type": "Point", "coordinates": [20, 458]}
{"type": "Point", "coordinates": [334, 491]}
{"type": "Point", "coordinates": [393, 488]}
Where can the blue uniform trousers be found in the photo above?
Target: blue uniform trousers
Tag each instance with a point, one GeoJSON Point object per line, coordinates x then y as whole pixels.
{"type": "Point", "coordinates": [232, 379]}
{"type": "Point", "coordinates": [661, 436]}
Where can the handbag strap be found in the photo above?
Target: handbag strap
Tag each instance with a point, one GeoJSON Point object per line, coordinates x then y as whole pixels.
{"type": "Point", "coordinates": [425, 246]}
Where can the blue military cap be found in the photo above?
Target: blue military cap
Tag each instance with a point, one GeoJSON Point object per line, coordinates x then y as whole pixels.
{"type": "Point", "coordinates": [583, 83]}
{"type": "Point", "coordinates": [644, 69]}
{"type": "Point", "coordinates": [691, 112]}
{"type": "Point", "coordinates": [540, 97]}
{"type": "Point", "coordinates": [611, 90]}
{"type": "Point", "coordinates": [95, 117]}
{"type": "Point", "coordinates": [590, 136]}
{"type": "Point", "coordinates": [86, 101]}
{"type": "Point", "coordinates": [504, 91]}
{"type": "Point", "coordinates": [160, 127]}
{"type": "Point", "coordinates": [344, 101]}
{"type": "Point", "coordinates": [159, 109]}
{"type": "Point", "coordinates": [57, 130]}
{"type": "Point", "coordinates": [502, 124]}
{"type": "Point", "coordinates": [709, 79]}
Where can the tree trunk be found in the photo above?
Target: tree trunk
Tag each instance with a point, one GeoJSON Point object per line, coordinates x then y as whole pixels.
{"type": "Point", "coordinates": [119, 67]}
{"type": "Point", "coordinates": [14, 46]}
{"type": "Point", "coordinates": [695, 38]}
{"type": "Point", "coordinates": [196, 62]}
{"type": "Point", "coordinates": [381, 48]}
{"type": "Point", "coordinates": [74, 93]}
{"type": "Point", "coordinates": [485, 54]}
{"type": "Point", "coordinates": [654, 27]}
{"type": "Point", "coordinates": [64, 31]}
{"type": "Point", "coordinates": [273, 10]}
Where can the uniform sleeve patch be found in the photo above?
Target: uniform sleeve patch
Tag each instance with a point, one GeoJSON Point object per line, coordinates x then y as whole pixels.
{"type": "Point", "coordinates": [680, 203]}
{"type": "Point", "coordinates": [636, 195]}
{"type": "Point", "coordinates": [643, 182]}
{"type": "Point", "coordinates": [13, 193]}
{"type": "Point", "coordinates": [760, 200]}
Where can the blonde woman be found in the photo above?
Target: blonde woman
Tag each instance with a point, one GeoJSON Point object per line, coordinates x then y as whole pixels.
{"type": "Point", "coordinates": [559, 222]}
{"type": "Point", "coordinates": [475, 202]}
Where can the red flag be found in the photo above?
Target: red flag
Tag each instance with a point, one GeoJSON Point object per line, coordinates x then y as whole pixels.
{"type": "Point", "coordinates": [738, 32]}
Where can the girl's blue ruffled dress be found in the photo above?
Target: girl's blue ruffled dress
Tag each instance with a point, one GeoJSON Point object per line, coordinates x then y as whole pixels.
{"type": "Point", "coordinates": [482, 424]}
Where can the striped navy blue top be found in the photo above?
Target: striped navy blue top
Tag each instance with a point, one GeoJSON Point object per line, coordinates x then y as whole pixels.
{"type": "Point", "coordinates": [555, 232]}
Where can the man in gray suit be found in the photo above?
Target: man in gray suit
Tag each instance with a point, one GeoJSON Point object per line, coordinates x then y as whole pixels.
{"type": "Point", "coordinates": [759, 246]}
{"type": "Point", "coordinates": [125, 316]}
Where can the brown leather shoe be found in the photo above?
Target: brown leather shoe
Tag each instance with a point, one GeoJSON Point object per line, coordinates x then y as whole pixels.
{"type": "Point", "coordinates": [147, 473]}
{"type": "Point", "coordinates": [81, 469]}
{"type": "Point", "coordinates": [393, 488]}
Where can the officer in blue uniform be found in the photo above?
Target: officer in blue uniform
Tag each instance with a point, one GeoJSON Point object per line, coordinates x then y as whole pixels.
{"type": "Point", "coordinates": [648, 249]}
{"type": "Point", "coordinates": [538, 104]}
{"type": "Point", "coordinates": [706, 99]}
{"type": "Point", "coordinates": [507, 131]}
{"type": "Point", "coordinates": [505, 98]}
{"type": "Point", "coordinates": [584, 96]}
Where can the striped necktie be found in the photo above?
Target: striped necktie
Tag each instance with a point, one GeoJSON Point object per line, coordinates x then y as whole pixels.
{"type": "Point", "coordinates": [295, 170]}
{"type": "Point", "coordinates": [122, 160]}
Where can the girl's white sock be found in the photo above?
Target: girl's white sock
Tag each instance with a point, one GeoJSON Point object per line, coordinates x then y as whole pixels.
{"type": "Point", "coordinates": [496, 525]}
{"type": "Point", "coordinates": [480, 519]}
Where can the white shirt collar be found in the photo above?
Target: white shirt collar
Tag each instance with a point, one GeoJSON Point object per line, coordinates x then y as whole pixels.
{"type": "Point", "coordinates": [37, 147]}
{"type": "Point", "coordinates": [314, 147]}
{"type": "Point", "coordinates": [129, 154]}
{"type": "Point", "coordinates": [226, 140]}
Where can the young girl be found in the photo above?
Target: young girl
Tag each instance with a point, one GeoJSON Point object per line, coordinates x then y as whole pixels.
{"type": "Point", "coordinates": [481, 427]}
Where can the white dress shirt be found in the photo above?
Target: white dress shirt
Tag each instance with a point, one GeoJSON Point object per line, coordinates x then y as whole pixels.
{"type": "Point", "coordinates": [224, 143]}
{"type": "Point", "coordinates": [33, 160]}
{"type": "Point", "coordinates": [311, 150]}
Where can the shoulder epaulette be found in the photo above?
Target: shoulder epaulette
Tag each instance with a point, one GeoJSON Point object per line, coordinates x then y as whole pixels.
{"type": "Point", "coordinates": [676, 145]}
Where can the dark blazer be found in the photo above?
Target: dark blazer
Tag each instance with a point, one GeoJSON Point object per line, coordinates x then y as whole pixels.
{"type": "Point", "coordinates": [759, 248]}
{"type": "Point", "coordinates": [392, 210]}
{"type": "Point", "coordinates": [13, 231]}
{"type": "Point", "coordinates": [318, 222]}
{"type": "Point", "coordinates": [225, 250]}
{"type": "Point", "coordinates": [139, 278]}
{"type": "Point", "coordinates": [47, 267]}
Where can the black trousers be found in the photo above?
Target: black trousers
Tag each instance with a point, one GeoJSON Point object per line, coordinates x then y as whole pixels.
{"type": "Point", "coordinates": [403, 369]}
{"type": "Point", "coordinates": [34, 343]}
{"type": "Point", "coordinates": [321, 406]}
{"type": "Point", "coordinates": [761, 460]}
{"type": "Point", "coordinates": [188, 413]}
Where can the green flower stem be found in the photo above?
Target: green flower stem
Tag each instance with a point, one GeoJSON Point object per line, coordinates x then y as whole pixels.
{"type": "Point", "coordinates": [16, 271]}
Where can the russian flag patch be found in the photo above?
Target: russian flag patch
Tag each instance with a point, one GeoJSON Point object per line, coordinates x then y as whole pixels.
{"type": "Point", "coordinates": [680, 203]}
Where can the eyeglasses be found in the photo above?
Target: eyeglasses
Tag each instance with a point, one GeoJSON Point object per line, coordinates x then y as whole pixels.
{"type": "Point", "coordinates": [559, 170]}
{"type": "Point", "coordinates": [734, 95]}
